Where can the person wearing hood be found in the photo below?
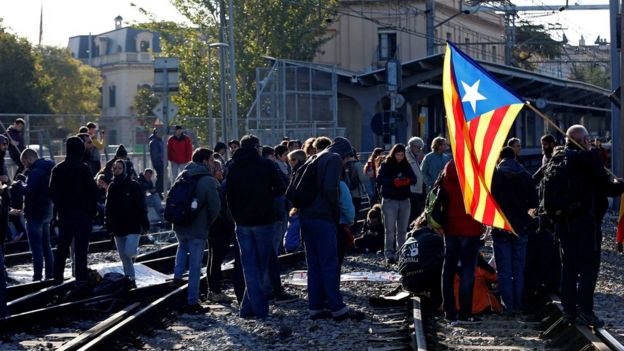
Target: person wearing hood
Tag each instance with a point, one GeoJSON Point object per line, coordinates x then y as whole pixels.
{"type": "Point", "coordinates": [515, 193]}
{"type": "Point", "coordinates": [120, 154]}
{"type": "Point", "coordinates": [192, 236]}
{"type": "Point", "coordinates": [319, 223]}
{"type": "Point", "coordinates": [252, 184]}
{"type": "Point", "coordinates": [179, 151]}
{"type": "Point", "coordinates": [157, 155]}
{"type": "Point", "coordinates": [126, 215]}
{"type": "Point", "coordinates": [37, 210]}
{"type": "Point", "coordinates": [74, 195]}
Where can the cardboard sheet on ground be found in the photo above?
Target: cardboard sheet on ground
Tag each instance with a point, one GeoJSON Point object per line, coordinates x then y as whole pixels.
{"type": "Point", "coordinates": [145, 276]}
{"type": "Point", "coordinates": [301, 277]}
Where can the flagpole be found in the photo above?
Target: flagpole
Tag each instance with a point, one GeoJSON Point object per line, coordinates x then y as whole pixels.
{"type": "Point", "coordinates": [554, 125]}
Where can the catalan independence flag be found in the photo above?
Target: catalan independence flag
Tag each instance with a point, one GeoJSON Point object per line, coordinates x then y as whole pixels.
{"type": "Point", "coordinates": [619, 236]}
{"type": "Point", "coordinates": [479, 113]}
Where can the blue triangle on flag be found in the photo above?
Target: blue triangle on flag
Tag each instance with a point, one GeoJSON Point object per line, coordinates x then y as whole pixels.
{"type": "Point", "coordinates": [479, 91]}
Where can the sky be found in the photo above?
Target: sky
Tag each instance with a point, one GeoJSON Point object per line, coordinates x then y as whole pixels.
{"type": "Point", "coordinates": [63, 19]}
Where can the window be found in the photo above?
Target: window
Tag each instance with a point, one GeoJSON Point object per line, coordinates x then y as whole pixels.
{"type": "Point", "coordinates": [493, 53]}
{"type": "Point", "coordinates": [144, 46]}
{"type": "Point", "coordinates": [387, 44]}
{"type": "Point", "coordinates": [449, 36]}
{"type": "Point", "coordinates": [468, 46]}
{"type": "Point", "coordinates": [111, 96]}
{"type": "Point", "coordinates": [484, 52]}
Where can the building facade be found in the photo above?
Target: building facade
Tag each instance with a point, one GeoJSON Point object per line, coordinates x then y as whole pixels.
{"type": "Point", "coordinates": [124, 56]}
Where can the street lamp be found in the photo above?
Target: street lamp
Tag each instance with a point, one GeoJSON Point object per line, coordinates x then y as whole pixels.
{"type": "Point", "coordinates": [221, 46]}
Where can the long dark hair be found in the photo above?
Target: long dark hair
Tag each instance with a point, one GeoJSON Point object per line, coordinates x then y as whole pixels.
{"type": "Point", "coordinates": [391, 156]}
{"type": "Point", "coordinates": [376, 152]}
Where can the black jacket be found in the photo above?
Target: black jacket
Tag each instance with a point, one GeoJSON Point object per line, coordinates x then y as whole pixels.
{"type": "Point", "coordinates": [252, 185]}
{"type": "Point", "coordinates": [72, 188]}
{"type": "Point", "coordinates": [125, 208]}
{"type": "Point", "coordinates": [515, 193]}
{"type": "Point", "coordinates": [388, 172]}
{"type": "Point", "coordinates": [37, 204]}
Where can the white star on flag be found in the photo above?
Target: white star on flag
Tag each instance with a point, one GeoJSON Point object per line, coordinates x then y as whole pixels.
{"type": "Point", "coordinates": [472, 94]}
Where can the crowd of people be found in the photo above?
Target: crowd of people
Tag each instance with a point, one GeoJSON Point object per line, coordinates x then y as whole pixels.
{"type": "Point", "coordinates": [265, 200]}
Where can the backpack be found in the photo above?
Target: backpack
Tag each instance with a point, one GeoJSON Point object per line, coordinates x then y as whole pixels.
{"type": "Point", "coordinates": [181, 205]}
{"type": "Point", "coordinates": [302, 189]}
{"type": "Point", "coordinates": [113, 283]}
{"type": "Point", "coordinates": [351, 176]}
{"type": "Point", "coordinates": [435, 204]}
{"type": "Point", "coordinates": [422, 251]}
{"type": "Point", "coordinates": [558, 188]}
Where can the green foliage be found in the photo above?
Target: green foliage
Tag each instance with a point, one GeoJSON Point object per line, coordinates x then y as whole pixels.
{"type": "Point", "coordinates": [71, 86]}
{"type": "Point", "coordinates": [21, 85]}
{"type": "Point", "coordinates": [144, 102]}
{"type": "Point", "coordinates": [533, 41]}
{"type": "Point", "coordinates": [592, 74]}
{"type": "Point", "coordinates": [289, 29]}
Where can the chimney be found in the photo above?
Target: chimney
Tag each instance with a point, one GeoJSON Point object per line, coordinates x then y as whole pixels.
{"type": "Point", "coordinates": [118, 20]}
{"type": "Point", "coordinates": [582, 41]}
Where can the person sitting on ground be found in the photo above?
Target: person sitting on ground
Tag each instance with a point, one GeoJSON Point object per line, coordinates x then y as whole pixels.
{"type": "Point", "coordinates": [126, 215]}
{"type": "Point", "coordinates": [372, 237]}
{"type": "Point", "coordinates": [420, 262]}
{"type": "Point", "coordinates": [483, 298]}
{"type": "Point", "coordinates": [292, 238]}
{"type": "Point", "coordinates": [152, 198]}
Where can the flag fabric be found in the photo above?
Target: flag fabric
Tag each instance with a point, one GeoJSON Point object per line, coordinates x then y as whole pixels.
{"type": "Point", "coordinates": [619, 237]}
{"type": "Point", "coordinates": [479, 112]}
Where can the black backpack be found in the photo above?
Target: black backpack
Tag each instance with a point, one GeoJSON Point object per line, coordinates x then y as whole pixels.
{"type": "Point", "coordinates": [302, 189]}
{"type": "Point", "coordinates": [435, 204]}
{"type": "Point", "coordinates": [559, 187]}
{"type": "Point", "coordinates": [181, 206]}
{"type": "Point", "coordinates": [422, 251]}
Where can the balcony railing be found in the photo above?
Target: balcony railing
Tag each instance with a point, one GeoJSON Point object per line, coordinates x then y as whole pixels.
{"type": "Point", "coordinates": [122, 57]}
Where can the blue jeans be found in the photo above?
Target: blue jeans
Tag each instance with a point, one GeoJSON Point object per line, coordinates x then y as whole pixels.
{"type": "Point", "coordinates": [154, 201]}
{"type": "Point", "coordinates": [510, 255]}
{"type": "Point", "coordinates": [322, 258]}
{"type": "Point", "coordinates": [194, 248]}
{"type": "Point", "coordinates": [127, 248]}
{"type": "Point", "coordinates": [256, 246]}
{"type": "Point", "coordinates": [39, 241]}
{"type": "Point", "coordinates": [462, 250]}
{"type": "Point", "coordinates": [3, 296]}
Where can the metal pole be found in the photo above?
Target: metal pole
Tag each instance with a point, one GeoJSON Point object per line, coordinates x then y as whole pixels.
{"type": "Point", "coordinates": [430, 11]}
{"type": "Point", "coordinates": [165, 174]}
{"type": "Point", "coordinates": [616, 143]}
{"type": "Point", "coordinates": [211, 141]}
{"type": "Point", "coordinates": [233, 91]}
{"type": "Point", "coordinates": [222, 72]}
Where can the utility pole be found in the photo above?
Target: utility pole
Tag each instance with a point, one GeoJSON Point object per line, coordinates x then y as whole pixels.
{"type": "Point", "coordinates": [222, 71]}
{"type": "Point", "coordinates": [430, 11]}
{"type": "Point", "coordinates": [617, 148]}
{"type": "Point", "coordinates": [510, 35]}
{"type": "Point", "coordinates": [233, 93]}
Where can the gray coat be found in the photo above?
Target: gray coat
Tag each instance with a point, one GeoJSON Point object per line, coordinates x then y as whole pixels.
{"type": "Point", "coordinates": [208, 200]}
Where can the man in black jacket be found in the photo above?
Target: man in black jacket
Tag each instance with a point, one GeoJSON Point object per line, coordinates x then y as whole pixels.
{"type": "Point", "coordinates": [74, 194]}
{"type": "Point", "coordinates": [580, 232]}
{"type": "Point", "coordinates": [252, 185]}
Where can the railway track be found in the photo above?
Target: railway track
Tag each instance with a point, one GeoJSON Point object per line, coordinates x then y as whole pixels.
{"type": "Point", "coordinates": [102, 322]}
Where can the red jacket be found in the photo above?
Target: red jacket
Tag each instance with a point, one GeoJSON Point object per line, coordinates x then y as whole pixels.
{"type": "Point", "coordinates": [179, 150]}
{"type": "Point", "coordinates": [458, 222]}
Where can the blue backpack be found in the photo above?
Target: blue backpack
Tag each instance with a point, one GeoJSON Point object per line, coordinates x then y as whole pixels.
{"type": "Point", "coordinates": [181, 205]}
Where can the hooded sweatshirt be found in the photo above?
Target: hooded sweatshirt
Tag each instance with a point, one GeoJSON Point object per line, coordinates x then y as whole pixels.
{"type": "Point", "coordinates": [72, 188]}
{"type": "Point", "coordinates": [514, 192]}
{"type": "Point", "coordinates": [251, 187]}
{"type": "Point", "coordinates": [37, 203]}
{"type": "Point", "coordinates": [125, 206]}
{"type": "Point", "coordinates": [325, 205]}
{"type": "Point", "coordinates": [208, 201]}
{"type": "Point", "coordinates": [157, 148]}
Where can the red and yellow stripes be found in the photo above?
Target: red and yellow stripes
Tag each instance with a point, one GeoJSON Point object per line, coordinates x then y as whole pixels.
{"type": "Point", "coordinates": [619, 237]}
{"type": "Point", "coordinates": [476, 147]}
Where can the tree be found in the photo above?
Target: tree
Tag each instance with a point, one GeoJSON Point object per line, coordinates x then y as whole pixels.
{"type": "Point", "coordinates": [145, 101]}
{"type": "Point", "coordinates": [533, 41]}
{"type": "Point", "coordinates": [71, 86]}
{"type": "Point", "coordinates": [21, 89]}
{"type": "Point", "coordinates": [290, 29]}
{"type": "Point", "coordinates": [592, 74]}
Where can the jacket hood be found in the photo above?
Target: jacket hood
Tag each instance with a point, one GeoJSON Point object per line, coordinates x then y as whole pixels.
{"type": "Point", "coordinates": [43, 164]}
{"type": "Point", "coordinates": [75, 149]}
{"type": "Point", "coordinates": [154, 137]}
{"type": "Point", "coordinates": [341, 146]}
{"type": "Point", "coordinates": [121, 152]}
{"type": "Point", "coordinates": [511, 166]}
{"type": "Point", "coordinates": [245, 155]}
{"type": "Point", "coordinates": [194, 168]}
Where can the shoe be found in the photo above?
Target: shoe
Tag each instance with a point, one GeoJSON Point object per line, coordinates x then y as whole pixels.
{"type": "Point", "coordinates": [350, 314]}
{"type": "Point", "coordinates": [590, 320]}
{"type": "Point", "coordinates": [568, 319]}
{"type": "Point", "coordinates": [195, 309]}
{"type": "Point", "coordinates": [284, 297]}
{"type": "Point", "coordinates": [321, 315]}
{"type": "Point", "coordinates": [469, 319]}
{"type": "Point", "coordinates": [219, 298]}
